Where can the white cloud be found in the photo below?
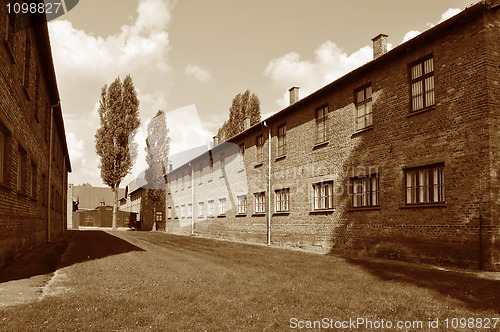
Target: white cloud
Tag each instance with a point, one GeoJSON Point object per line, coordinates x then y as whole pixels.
{"type": "Point", "coordinates": [450, 12]}
{"type": "Point", "coordinates": [198, 72]}
{"type": "Point", "coordinates": [85, 62]}
{"type": "Point", "coordinates": [330, 62]}
{"type": "Point", "coordinates": [409, 35]}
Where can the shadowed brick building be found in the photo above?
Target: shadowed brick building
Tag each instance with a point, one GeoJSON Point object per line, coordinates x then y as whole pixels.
{"type": "Point", "coordinates": [399, 158]}
{"type": "Point", "coordinates": [34, 161]}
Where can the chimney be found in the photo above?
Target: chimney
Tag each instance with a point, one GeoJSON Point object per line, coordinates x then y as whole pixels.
{"type": "Point", "coordinates": [294, 95]}
{"type": "Point", "coordinates": [379, 45]}
{"type": "Point", "coordinates": [216, 140]}
{"type": "Point", "coordinates": [246, 123]}
{"type": "Point", "coordinates": [170, 167]}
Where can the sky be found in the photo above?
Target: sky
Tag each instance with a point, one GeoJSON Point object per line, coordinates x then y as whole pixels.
{"type": "Point", "coordinates": [191, 57]}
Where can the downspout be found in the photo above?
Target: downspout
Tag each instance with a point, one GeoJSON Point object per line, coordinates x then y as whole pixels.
{"type": "Point", "coordinates": [268, 185]}
{"type": "Point", "coordinates": [49, 198]}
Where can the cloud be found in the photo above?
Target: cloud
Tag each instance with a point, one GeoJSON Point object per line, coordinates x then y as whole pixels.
{"type": "Point", "coordinates": [85, 62]}
{"type": "Point", "coordinates": [330, 62]}
{"type": "Point", "coordinates": [198, 73]}
{"type": "Point", "coordinates": [450, 12]}
{"type": "Point", "coordinates": [409, 35]}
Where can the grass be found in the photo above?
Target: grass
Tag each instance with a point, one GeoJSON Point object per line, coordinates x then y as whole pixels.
{"type": "Point", "coordinates": [138, 281]}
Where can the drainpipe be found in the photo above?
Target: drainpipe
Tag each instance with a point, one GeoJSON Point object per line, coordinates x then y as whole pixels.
{"type": "Point", "coordinates": [268, 185]}
{"type": "Point", "coordinates": [49, 198]}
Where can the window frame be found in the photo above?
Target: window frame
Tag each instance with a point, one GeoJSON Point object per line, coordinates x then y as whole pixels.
{"type": "Point", "coordinates": [211, 208]}
{"type": "Point", "coordinates": [222, 206]}
{"type": "Point", "coordinates": [201, 210]}
{"type": "Point", "coordinates": [365, 198]}
{"type": "Point", "coordinates": [260, 202]}
{"type": "Point", "coordinates": [321, 124]}
{"type": "Point", "coordinates": [259, 144]}
{"type": "Point", "coordinates": [281, 134]}
{"type": "Point", "coordinates": [242, 204]}
{"type": "Point", "coordinates": [160, 215]}
{"type": "Point", "coordinates": [366, 102]}
{"type": "Point", "coordinates": [282, 200]}
{"type": "Point", "coordinates": [320, 198]}
{"type": "Point", "coordinates": [418, 189]}
{"type": "Point", "coordinates": [422, 78]}
{"type": "Point", "coordinates": [242, 156]}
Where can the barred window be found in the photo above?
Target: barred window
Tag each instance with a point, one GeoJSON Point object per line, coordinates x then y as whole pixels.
{"type": "Point", "coordinates": [282, 140]}
{"type": "Point", "coordinates": [282, 200]}
{"type": "Point", "coordinates": [211, 208]}
{"type": "Point", "coordinates": [323, 195]}
{"type": "Point", "coordinates": [242, 204]}
{"type": "Point", "coordinates": [425, 185]}
{"type": "Point", "coordinates": [365, 191]}
{"type": "Point", "coordinates": [321, 125]}
{"type": "Point", "coordinates": [159, 216]}
{"type": "Point", "coordinates": [201, 207]}
{"type": "Point", "coordinates": [260, 206]}
{"type": "Point", "coordinates": [364, 118]}
{"type": "Point", "coordinates": [222, 206]}
{"type": "Point", "coordinates": [422, 84]}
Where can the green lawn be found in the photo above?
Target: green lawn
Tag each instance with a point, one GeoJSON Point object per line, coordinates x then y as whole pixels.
{"type": "Point", "coordinates": [137, 281]}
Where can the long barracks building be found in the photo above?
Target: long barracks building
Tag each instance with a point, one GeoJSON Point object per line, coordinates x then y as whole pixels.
{"type": "Point", "coordinates": [399, 158]}
{"type": "Point", "coordinates": [34, 161]}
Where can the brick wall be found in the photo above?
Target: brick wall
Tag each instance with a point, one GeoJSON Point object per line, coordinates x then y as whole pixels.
{"type": "Point", "coordinates": [26, 96]}
{"type": "Point", "coordinates": [460, 132]}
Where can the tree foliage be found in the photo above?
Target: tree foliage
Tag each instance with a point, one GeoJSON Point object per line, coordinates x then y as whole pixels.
{"type": "Point", "coordinates": [119, 117]}
{"type": "Point", "coordinates": [244, 105]}
{"type": "Point", "coordinates": [157, 150]}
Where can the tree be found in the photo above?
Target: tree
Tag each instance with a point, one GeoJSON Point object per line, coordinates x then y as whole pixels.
{"type": "Point", "coordinates": [119, 116]}
{"type": "Point", "coordinates": [244, 105]}
{"type": "Point", "coordinates": [157, 150]}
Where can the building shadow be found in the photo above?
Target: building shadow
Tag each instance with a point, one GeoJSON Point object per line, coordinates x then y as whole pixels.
{"type": "Point", "coordinates": [72, 248]}
{"type": "Point", "coordinates": [475, 289]}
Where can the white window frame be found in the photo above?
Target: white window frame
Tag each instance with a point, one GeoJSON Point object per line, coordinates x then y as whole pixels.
{"type": "Point", "coordinates": [282, 200]}
{"type": "Point", "coordinates": [242, 204]}
{"type": "Point", "coordinates": [364, 108]}
{"type": "Point", "coordinates": [365, 191]}
{"type": "Point", "coordinates": [260, 202]}
{"type": "Point", "coordinates": [222, 206]}
{"type": "Point", "coordinates": [323, 195]}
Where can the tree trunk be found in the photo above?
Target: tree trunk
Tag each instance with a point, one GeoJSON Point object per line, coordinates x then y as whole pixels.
{"type": "Point", "coordinates": [115, 206]}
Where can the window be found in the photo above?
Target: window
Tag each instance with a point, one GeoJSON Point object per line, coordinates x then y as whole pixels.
{"type": "Point", "coordinates": [190, 210]}
{"type": "Point", "coordinates": [365, 191]}
{"type": "Point", "coordinates": [364, 117]}
{"type": "Point", "coordinates": [323, 195]}
{"type": "Point", "coordinates": [422, 84]}
{"type": "Point", "coordinates": [242, 156]}
{"type": "Point", "coordinates": [211, 208]}
{"type": "Point", "coordinates": [159, 216]}
{"type": "Point", "coordinates": [222, 206]}
{"type": "Point", "coordinates": [282, 200]}
{"type": "Point", "coordinates": [21, 170]}
{"type": "Point", "coordinates": [201, 173]}
{"type": "Point", "coordinates": [321, 125]}
{"type": "Point", "coordinates": [169, 212]}
{"type": "Point", "coordinates": [260, 206]}
{"type": "Point", "coordinates": [201, 206]}
{"type": "Point", "coordinates": [177, 212]}
{"type": "Point", "coordinates": [425, 185]}
{"type": "Point", "coordinates": [259, 143]}
{"type": "Point", "coordinates": [34, 179]}
{"type": "Point", "coordinates": [242, 204]}
{"type": "Point", "coordinates": [282, 140]}
{"type": "Point", "coordinates": [183, 211]}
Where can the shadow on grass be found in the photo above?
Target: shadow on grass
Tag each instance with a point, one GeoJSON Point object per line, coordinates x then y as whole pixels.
{"type": "Point", "coordinates": [476, 292]}
{"type": "Point", "coordinates": [73, 247]}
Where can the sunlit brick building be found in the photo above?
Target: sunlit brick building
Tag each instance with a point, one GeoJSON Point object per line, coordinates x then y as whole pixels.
{"type": "Point", "coordinates": [399, 158]}
{"type": "Point", "coordinates": [34, 162]}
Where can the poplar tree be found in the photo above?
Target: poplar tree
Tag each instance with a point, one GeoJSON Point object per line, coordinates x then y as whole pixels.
{"type": "Point", "coordinates": [244, 105]}
{"type": "Point", "coordinates": [119, 117]}
{"type": "Point", "coordinates": [157, 150]}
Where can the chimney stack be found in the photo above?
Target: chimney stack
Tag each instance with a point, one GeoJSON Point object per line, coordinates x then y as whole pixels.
{"type": "Point", "coordinates": [246, 123]}
{"type": "Point", "coordinates": [379, 45]}
{"type": "Point", "coordinates": [294, 95]}
{"type": "Point", "coordinates": [216, 140]}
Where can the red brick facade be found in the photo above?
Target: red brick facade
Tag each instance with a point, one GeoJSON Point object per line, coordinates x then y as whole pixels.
{"type": "Point", "coordinates": [419, 181]}
{"type": "Point", "coordinates": [34, 160]}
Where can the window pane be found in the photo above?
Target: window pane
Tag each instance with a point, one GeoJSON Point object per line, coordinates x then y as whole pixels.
{"type": "Point", "coordinates": [368, 92]}
{"type": "Point", "coordinates": [429, 91]}
{"type": "Point", "coordinates": [416, 71]}
{"type": "Point", "coordinates": [360, 96]}
{"type": "Point", "coordinates": [428, 66]}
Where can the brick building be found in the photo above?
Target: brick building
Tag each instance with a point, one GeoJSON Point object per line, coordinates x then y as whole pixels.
{"type": "Point", "coordinates": [398, 158]}
{"type": "Point", "coordinates": [34, 161]}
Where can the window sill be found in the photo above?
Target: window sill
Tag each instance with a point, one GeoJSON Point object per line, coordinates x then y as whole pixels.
{"type": "Point", "coordinates": [280, 158]}
{"type": "Point", "coordinates": [200, 183]}
{"type": "Point", "coordinates": [258, 165]}
{"type": "Point", "coordinates": [221, 216]}
{"type": "Point", "coordinates": [211, 216]}
{"type": "Point", "coordinates": [240, 215]}
{"type": "Point", "coordinates": [325, 211]}
{"type": "Point", "coordinates": [423, 205]}
{"type": "Point", "coordinates": [361, 131]}
{"type": "Point", "coordinates": [221, 177]}
{"type": "Point", "coordinates": [241, 170]}
{"type": "Point", "coordinates": [364, 208]}
{"type": "Point", "coordinates": [281, 213]}
{"type": "Point", "coordinates": [423, 110]}
{"type": "Point", "coordinates": [210, 181]}
{"type": "Point", "coordinates": [259, 214]}
{"type": "Point", "coordinates": [321, 145]}
{"type": "Point", "coordinates": [200, 217]}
